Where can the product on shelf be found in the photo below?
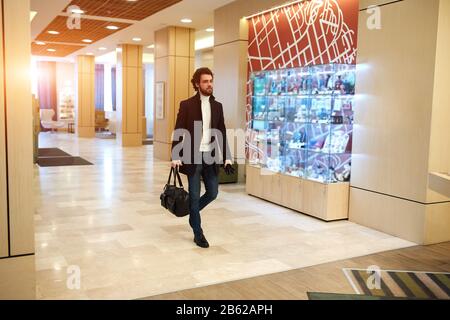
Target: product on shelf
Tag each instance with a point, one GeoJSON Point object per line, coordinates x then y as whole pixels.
{"type": "Point", "coordinates": [305, 118]}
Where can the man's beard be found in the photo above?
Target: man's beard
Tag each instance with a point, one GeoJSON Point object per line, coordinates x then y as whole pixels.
{"type": "Point", "coordinates": [205, 93]}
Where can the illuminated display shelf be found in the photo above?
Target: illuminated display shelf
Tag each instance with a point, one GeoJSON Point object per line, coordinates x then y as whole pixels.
{"type": "Point", "coordinates": [302, 125]}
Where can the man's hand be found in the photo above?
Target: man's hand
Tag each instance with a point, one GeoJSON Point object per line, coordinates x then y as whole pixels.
{"type": "Point", "coordinates": [176, 163]}
{"type": "Point", "coordinates": [228, 167]}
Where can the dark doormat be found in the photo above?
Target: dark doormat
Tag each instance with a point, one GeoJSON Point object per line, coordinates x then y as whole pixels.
{"type": "Point", "coordinates": [62, 161]}
{"type": "Point", "coordinates": [52, 152]}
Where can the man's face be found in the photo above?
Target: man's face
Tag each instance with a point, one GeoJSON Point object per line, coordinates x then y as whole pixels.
{"type": "Point", "coordinates": [206, 85]}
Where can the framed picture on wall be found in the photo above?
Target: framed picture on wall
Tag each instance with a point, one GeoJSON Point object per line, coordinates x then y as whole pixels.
{"type": "Point", "coordinates": [159, 100]}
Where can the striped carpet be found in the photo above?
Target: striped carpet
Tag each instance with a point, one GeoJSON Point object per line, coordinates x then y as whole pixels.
{"type": "Point", "coordinates": [402, 284]}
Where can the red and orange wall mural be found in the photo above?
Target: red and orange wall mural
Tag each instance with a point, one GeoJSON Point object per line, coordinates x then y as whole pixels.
{"type": "Point", "coordinates": [304, 33]}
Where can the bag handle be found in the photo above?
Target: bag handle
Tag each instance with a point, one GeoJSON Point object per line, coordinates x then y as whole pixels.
{"type": "Point", "coordinates": [176, 175]}
{"type": "Point", "coordinates": [170, 176]}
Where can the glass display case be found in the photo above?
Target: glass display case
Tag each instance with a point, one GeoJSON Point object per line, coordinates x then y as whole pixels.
{"type": "Point", "coordinates": [302, 120]}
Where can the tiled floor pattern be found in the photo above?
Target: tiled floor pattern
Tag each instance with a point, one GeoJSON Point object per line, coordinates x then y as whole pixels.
{"type": "Point", "coordinates": [106, 219]}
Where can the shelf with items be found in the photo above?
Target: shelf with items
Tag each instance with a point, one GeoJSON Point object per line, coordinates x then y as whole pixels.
{"type": "Point", "coordinates": [311, 107]}
{"type": "Point", "coordinates": [304, 122]}
{"type": "Point", "coordinates": [66, 109]}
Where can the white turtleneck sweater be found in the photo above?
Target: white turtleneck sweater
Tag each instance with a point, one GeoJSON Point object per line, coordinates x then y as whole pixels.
{"type": "Point", "coordinates": [206, 116]}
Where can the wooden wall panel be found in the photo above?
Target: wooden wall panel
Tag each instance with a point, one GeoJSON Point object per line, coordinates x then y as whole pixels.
{"type": "Point", "coordinates": [3, 172]}
{"type": "Point", "coordinates": [400, 218]}
{"type": "Point", "coordinates": [20, 126]}
{"type": "Point", "coordinates": [254, 185]}
{"type": "Point", "coordinates": [174, 64]}
{"type": "Point", "coordinates": [182, 42]}
{"type": "Point", "coordinates": [181, 84]}
{"type": "Point", "coordinates": [86, 96]}
{"type": "Point", "coordinates": [132, 98]}
{"type": "Point", "coordinates": [406, 119]}
{"type": "Point", "coordinates": [393, 107]}
{"type": "Point", "coordinates": [291, 192]}
{"type": "Point", "coordinates": [439, 159]}
{"type": "Point", "coordinates": [437, 223]}
{"type": "Point", "coordinates": [18, 278]}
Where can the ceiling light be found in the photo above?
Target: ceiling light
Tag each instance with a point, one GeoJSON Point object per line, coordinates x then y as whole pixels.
{"type": "Point", "coordinates": [210, 30]}
{"type": "Point", "coordinates": [151, 46]}
{"type": "Point", "coordinates": [112, 27]}
{"type": "Point", "coordinates": [102, 49]}
{"type": "Point", "coordinates": [186, 20]}
{"type": "Point", "coordinates": [89, 54]}
{"type": "Point", "coordinates": [137, 39]}
{"type": "Point", "coordinates": [53, 32]}
{"type": "Point", "coordinates": [40, 43]}
{"type": "Point", "coordinates": [32, 15]}
{"type": "Point", "coordinates": [77, 11]}
{"type": "Point", "coordinates": [51, 50]}
{"type": "Point", "coordinates": [87, 40]}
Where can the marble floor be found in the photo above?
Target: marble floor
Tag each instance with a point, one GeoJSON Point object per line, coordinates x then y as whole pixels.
{"type": "Point", "coordinates": [105, 220]}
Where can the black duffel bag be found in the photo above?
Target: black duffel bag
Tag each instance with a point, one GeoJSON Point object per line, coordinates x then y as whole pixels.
{"type": "Point", "coordinates": [175, 199]}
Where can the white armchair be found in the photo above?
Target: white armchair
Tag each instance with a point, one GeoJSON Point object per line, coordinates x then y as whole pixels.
{"type": "Point", "coordinates": [47, 122]}
{"type": "Point", "coordinates": [112, 124]}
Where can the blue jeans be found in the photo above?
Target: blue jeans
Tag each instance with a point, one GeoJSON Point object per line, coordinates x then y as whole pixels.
{"type": "Point", "coordinates": [197, 203]}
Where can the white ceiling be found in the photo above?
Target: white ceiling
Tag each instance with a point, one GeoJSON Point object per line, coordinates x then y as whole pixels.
{"type": "Point", "coordinates": [201, 12]}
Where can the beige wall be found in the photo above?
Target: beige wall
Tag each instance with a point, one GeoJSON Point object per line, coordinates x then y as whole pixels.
{"type": "Point", "coordinates": [130, 98]}
{"type": "Point", "coordinates": [439, 156]}
{"type": "Point", "coordinates": [85, 103]}
{"type": "Point", "coordinates": [204, 58]}
{"type": "Point", "coordinates": [230, 62]}
{"type": "Point", "coordinates": [401, 119]}
{"type": "Point", "coordinates": [16, 154]}
{"type": "Point", "coordinates": [174, 65]}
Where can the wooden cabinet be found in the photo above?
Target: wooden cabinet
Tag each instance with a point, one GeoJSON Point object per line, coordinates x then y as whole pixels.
{"type": "Point", "coordinates": [253, 184]}
{"type": "Point", "coordinates": [291, 192]}
{"type": "Point", "coordinates": [315, 198]}
{"type": "Point", "coordinates": [325, 201]}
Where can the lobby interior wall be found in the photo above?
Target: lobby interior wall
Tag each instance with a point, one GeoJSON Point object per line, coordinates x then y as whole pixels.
{"type": "Point", "coordinates": [174, 67]}
{"type": "Point", "coordinates": [204, 58]}
{"type": "Point", "coordinates": [17, 270]}
{"type": "Point", "coordinates": [130, 97]}
{"type": "Point", "coordinates": [402, 109]}
{"type": "Point", "coordinates": [230, 64]}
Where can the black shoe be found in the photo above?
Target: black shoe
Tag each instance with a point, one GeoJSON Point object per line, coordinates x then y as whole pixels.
{"type": "Point", "coordinates": [201, 241]}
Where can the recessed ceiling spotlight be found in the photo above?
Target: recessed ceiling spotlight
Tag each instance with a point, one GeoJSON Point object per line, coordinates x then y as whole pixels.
{"type": "Point", "coordinates": [210, 30]}
{"type": "Point", "coordinates": [137, 39]}
{"type": "Point", "coordinates": [89, 54]}
{"type": "Point", "coordinates": [40, 43]}
{"type": "Point", "coordinates": [32, 15]}
{"type": "Point", "coordinates": [51, 50]}
{"type": "Point", "coordinates": [186, 20]}
{"type": "Point", "coordinates": [102, 48]}
{"type": "Point", "coordinates": [53, 32]}
{"type": "Point", "coordinates": [112, 27]}
{"type": "Point", "coordinates": [77, 11]}
{"type": "Point", "coordinates": [87, 40]}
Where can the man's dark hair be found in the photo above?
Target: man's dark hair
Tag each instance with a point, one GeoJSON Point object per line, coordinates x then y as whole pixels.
{"type": "Point", "coordinates": [198, 75]}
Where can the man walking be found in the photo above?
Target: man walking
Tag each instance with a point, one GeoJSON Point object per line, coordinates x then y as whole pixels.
{"type": "Point", "coordinates": [200, 146]}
